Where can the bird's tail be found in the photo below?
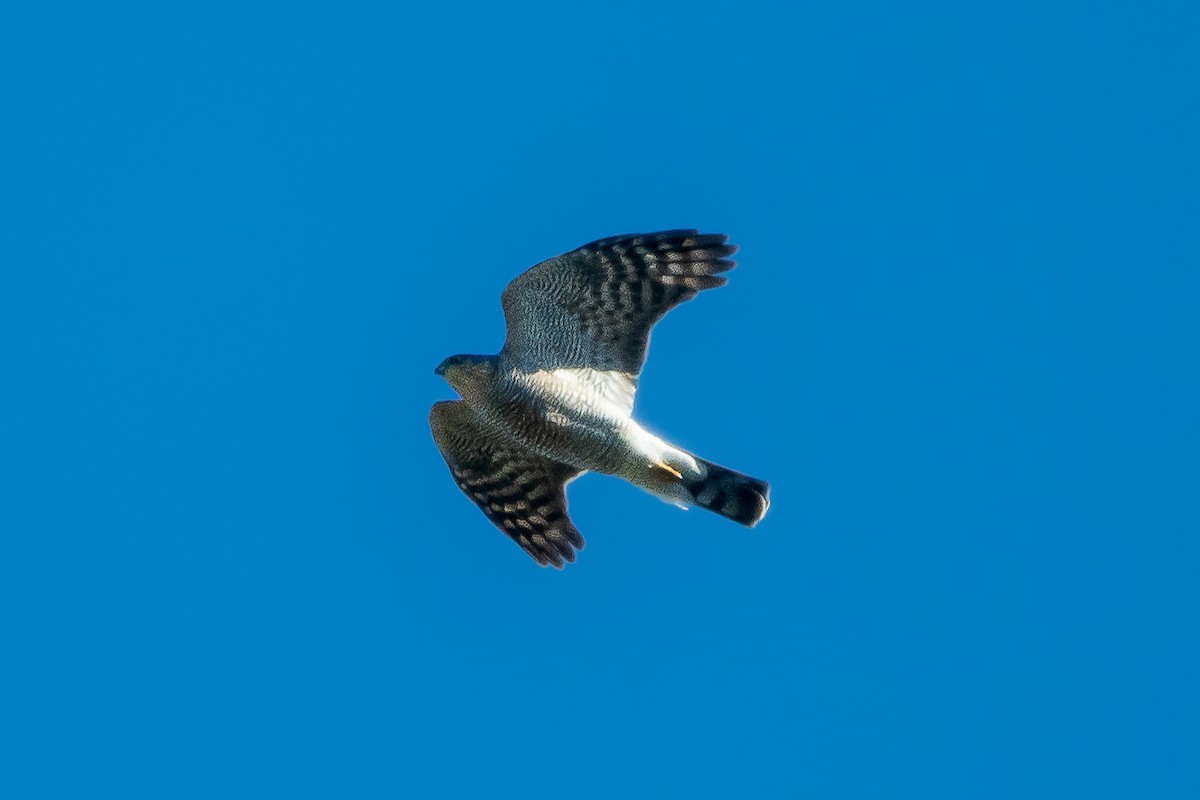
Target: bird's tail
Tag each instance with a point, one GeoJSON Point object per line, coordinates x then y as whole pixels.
{"type": "Point", "coordinates": [731, 494]}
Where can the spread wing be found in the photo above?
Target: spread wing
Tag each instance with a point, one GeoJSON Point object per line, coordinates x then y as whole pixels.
{"type": "Point", "coordinates": [594, 307]}
{"type": "Point", "coordinates": [523, 494]}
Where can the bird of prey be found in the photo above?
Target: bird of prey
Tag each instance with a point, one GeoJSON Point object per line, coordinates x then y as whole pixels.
{"type": "Point", "coordinates": [557, 401]}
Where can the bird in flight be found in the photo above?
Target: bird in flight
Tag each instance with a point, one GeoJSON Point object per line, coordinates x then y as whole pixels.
{"type": "Point", "coordinates": [557, 401]}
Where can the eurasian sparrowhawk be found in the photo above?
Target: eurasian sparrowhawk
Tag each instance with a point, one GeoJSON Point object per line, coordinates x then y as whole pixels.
{"type": "Point", "coordinates": [558, 399]}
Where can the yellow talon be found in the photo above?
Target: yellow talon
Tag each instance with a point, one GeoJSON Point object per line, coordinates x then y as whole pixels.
{"type": "Point", "coordinates": [668, 468]}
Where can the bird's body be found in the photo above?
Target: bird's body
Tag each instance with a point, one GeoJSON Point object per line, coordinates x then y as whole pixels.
{"type": "Point", "coordinates": [558, 399]}
{"type": "Point", "coordinates": [574, 416]}
{"type": "Point", "coordinates": [574, 421]}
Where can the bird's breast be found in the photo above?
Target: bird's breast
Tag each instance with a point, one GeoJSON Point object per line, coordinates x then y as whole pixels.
{"type": "Point", "coordinates": [563, 416]}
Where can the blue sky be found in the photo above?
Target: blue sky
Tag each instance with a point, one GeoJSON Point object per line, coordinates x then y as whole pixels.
{"type": "Point", "coordinates": [961, 344]}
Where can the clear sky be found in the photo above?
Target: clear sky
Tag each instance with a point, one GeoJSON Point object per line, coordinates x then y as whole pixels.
{"type": "Point", "coordinates": [961, 344]}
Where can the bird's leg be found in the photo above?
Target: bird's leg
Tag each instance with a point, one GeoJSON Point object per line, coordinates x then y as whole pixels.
{"type": "Point", "coordinates": [665, 467]}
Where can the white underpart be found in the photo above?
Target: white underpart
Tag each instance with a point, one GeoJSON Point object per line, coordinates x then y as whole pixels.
{"type": "Point", "coordinates": [660, 451]}
{"type": "Point", "coordinates": [655, 450]}
{"type": "Point", "coordinates": [606, 397]}
{"type": "Point", "coordinates": [605, 393]}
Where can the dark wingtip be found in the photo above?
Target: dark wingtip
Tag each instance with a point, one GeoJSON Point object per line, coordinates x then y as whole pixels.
{"type": "Point", "coordinates": [554, 548]}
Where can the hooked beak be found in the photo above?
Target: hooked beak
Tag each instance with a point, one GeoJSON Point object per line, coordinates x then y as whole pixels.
{"type": "Point", "coordinates": [439, 369]}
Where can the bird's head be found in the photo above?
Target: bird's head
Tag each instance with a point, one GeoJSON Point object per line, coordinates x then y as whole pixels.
{"type": "Point", "coordinates": [469, 375]}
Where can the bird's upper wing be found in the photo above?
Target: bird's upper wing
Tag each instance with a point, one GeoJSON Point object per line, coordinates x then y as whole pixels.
{"type": "Point", "coordinates": [594, 307]}
{"type": "Point", "coordinates": [522, 493]}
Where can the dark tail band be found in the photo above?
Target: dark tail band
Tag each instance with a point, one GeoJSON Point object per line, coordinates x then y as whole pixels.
{"type": "Point", "coordinates": [731, 494]}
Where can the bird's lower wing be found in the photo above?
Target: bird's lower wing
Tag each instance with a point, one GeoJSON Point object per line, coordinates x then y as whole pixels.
{"type": "Point", "coordinates": [523, 494]}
